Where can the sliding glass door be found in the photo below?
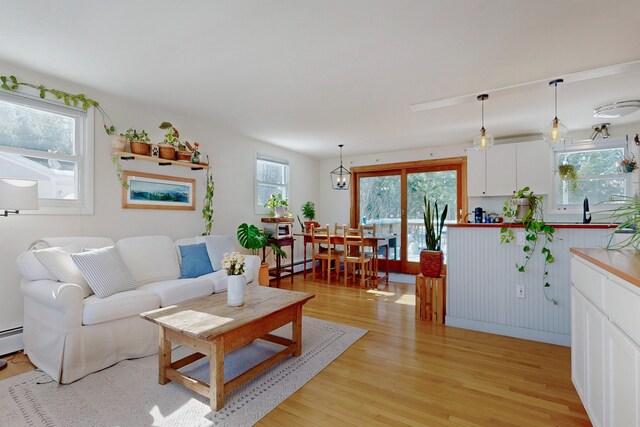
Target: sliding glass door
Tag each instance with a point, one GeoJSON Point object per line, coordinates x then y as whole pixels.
{"type": "Point", "coordinates": [393, 199]}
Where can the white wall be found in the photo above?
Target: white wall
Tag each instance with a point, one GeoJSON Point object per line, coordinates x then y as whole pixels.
{"type": "Point", "coordinates": [232, 158]}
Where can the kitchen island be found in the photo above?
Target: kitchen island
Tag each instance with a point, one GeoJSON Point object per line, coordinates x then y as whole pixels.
{"type": "Point", "coordinates": [483, 281]}
{"type": "Point", "coordinates": [605, 334]}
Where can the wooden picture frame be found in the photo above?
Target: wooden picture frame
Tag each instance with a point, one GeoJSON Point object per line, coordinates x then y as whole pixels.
{"type": "Point", "coordinates": [151, 191]}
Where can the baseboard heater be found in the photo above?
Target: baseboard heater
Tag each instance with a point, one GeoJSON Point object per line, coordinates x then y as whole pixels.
{"type": "Point", "coordinates": [11, 340]}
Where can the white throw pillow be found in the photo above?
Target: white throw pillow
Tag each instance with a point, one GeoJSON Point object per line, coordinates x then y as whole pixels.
{"type": "Point", "coordinates": [105, 271]}
{"type": "Point", "coordinates": [58, 261]}
{"type": "Point", "coordinates": [217, 246]}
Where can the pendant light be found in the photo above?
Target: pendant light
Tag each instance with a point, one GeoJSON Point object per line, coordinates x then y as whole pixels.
{"type": "Point", "coordinates": [340, 176]}
{"type": "Point", "coordinates": [483, 141]}
{"type": "Point", "coordinates": [556, 131]}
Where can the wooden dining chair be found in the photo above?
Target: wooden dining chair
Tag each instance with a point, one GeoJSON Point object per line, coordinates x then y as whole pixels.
{"type": "Point", "coordinates": [322, 250]}
{"type": "Point", "coordinates": [354, 254]}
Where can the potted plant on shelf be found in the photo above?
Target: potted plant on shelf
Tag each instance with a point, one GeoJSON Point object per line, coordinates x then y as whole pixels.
{"type": "Point", "coordinates": [536, 230]}
{"type": "Point", "coordinates": [233, 263]}
{"type": "Point", "coordinates": [277, 205]}
{"type": "Point", "coordinates": [431, 255]}
{"type": "Point", "coordinates": [569, 174]}
{"type": "Point", "coordinates": [309, 213]}
{"type": "Point", "coordinates": [253, 238]}
{"type": "Point", "coordinates": [170, 143]}
{"type": "Point", "coordinates": [138, 141]}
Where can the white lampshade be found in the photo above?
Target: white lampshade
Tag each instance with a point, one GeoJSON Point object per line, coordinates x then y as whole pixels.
{"type": "Point", "coordinates": [18, 194]}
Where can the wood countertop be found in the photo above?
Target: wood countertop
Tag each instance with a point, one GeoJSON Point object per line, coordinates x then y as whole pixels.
{"type": "Point", "coordinates": [519, 225]}
{"type": "Point", "coordinates": [624, 263]}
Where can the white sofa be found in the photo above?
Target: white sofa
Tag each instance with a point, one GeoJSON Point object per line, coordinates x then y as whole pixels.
{"type": "Point", "coordinates": [68, 334]}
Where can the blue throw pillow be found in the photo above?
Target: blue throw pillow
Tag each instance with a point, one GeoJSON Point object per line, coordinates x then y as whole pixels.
{"type": "Point", "coordinates": [195, 261]}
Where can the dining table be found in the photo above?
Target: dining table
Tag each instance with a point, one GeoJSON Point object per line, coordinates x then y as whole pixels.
{"type": "Point", "coordinates": [374, 241]}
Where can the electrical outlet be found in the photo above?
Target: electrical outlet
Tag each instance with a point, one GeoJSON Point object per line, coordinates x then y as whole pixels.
{"type": "Point", "coordinates": [519, 291]}
{"type": "Point", "coordinates": [520, 238]}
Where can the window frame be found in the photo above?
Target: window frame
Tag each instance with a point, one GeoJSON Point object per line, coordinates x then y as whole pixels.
{"type": "Point", "coordinates": [83, 151]}
{"type": "Point", "coordinates": [258, 208]}
{"type": "Point", "coordinates": [586, 146]}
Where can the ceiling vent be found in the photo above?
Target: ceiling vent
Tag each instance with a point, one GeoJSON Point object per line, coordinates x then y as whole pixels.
{"type": "Point", "coordinates": [617, 109]}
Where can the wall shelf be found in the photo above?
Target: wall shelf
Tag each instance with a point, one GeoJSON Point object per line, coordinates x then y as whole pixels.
{"type": "Point", "coordinates": [162, 162]}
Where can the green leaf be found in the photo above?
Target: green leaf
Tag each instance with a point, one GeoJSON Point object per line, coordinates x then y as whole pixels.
{"type": "Point", "coordinates": [14, 87]}
{"type": "Point", "coordinates": [66, 100]}
{"type": "Point", "coordinates": [5, 86]}
{"type": "Point", "coordinates": [3, 78]}
{"type": "Point", "coordinates": [42, 93]}
{"type": "Point", "coordinates": [547, 285]}
{"type": "Point", "coordinates": [13, 79]}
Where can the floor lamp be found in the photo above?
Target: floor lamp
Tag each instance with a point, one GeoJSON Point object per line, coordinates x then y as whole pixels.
{"type": "Point", "coordinates": [17, 195]}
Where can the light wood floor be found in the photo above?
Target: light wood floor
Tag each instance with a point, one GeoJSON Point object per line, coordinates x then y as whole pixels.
{"type": "Point", "coordinates": [409, 372]}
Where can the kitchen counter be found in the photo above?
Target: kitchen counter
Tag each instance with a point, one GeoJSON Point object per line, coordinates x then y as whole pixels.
{"type": "Point", "coordinates": [624, 263]}
{"type": "Point", "coordinates": [519, 225]}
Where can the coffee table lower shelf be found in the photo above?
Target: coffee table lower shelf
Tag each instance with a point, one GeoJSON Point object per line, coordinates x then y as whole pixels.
{"type": "Point", "coordinates": [224, 344]}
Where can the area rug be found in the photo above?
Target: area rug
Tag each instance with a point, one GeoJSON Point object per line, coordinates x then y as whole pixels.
{"type": "Point", "coordinates": [128, 393]}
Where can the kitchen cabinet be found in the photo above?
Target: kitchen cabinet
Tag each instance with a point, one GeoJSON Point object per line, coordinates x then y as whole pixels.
{"type": "Point", "coordinates": [605, 356]}
{"type": "Point", "coordinates": [506, 168]}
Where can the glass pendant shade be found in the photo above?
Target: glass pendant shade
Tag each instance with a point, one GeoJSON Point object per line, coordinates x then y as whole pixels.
{"type": "Point", "coordinates": [555, 132]}
{"type": "Point", "coordinates": [483, 141]}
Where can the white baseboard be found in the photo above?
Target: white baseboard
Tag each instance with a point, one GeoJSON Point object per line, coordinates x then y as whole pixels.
{"type": "Point", "coordinates": [510, 331]}
{"type": "Point", "coordinates": [11, 341]}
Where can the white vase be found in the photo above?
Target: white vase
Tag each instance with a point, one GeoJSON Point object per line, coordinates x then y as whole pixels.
{"type": "Point", "coordinates": [235, 290]}
{"type": "Point", "coordinates": [280, 211]}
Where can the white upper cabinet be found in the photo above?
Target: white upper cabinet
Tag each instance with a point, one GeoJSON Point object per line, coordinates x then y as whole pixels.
{"type": "Point", "coordinates": [506, 168]}
{"type": "Point", "coordinates": [476, 173]}
{"type": "Point", "coordinates": [501, 170]}
{"type": "Point", "coordinates": [534, 166]}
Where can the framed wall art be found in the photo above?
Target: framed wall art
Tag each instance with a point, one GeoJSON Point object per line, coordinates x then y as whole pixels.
{"type": "Point", "coordinates": [151, 191]}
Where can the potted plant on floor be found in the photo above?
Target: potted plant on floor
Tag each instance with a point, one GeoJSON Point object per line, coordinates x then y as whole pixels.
{"type": "Point", "coordinates": [309, 213]}
{"type": "Point", "coordinates": [138, 141]}
{"type": "Point", "coordinates": [277, 205]}
{"type": "Point", "coordinates": [431, 255]}
{"type": "Point", "coordinates": [253, 238]}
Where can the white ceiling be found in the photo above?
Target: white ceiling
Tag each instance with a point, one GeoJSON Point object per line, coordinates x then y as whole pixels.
{"type": "Point", "coordinates": [310, 74]}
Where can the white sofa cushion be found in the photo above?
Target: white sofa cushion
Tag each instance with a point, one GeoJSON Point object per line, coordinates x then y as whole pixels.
{"type": "Point", "coordinates": [118, 306]}
{"type": "Point", "coordinates": [179, 290]}
{"type": "Point", "coordinates": [217, 246]}
{"type": "Point", "coordinates": [105, 271]}
{"type": "Point", "coordinates": [59, 262]}
{"type": "Point", "coordinates": [32, 269]}
{"type": "Point", "coordinates": [150, 258]}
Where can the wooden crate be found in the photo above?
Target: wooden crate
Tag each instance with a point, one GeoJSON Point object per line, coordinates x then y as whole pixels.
{"type": "Point", "coordinates": [431, 297]}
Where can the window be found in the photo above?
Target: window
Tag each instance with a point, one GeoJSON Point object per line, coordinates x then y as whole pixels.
{"type": "Point", "coordinates": [599, 176]}
{"type": "Point", "coordinates": [272, 176]}
{"type": "Point", "coordinates": [52, 143]}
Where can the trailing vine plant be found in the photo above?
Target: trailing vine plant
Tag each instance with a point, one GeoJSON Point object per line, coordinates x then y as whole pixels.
{"type": "Point", "coordinates": [536, 232]}
{"type": "Point", "coordinates": [207, 205]}
{"type": "Point", "coordinates": [11, 83]}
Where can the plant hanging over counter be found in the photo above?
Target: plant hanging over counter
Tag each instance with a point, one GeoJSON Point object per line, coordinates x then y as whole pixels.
{"type": "Point", "coordinates": [527, 207]}
{"type": "Point", "coordinates": [12, 83]}
{"type": "Point", "coordinates": [627, 216]}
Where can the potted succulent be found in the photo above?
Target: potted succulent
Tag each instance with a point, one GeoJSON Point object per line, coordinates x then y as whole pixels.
{"type": "Point", "coordinates": [277, 205]}
{"type": "Point", "coordinates": [309, 213]}
{"type": "Point", "coordinates": [431, 255]}
{"type": "Point", "coordinates": [569, 174]}
{"type": "Point", "coordinates": [138, 141]}
{"type": "Point", "coordinates": [628, 164]}
{"type": "Point", "coordinates": [253, 238]}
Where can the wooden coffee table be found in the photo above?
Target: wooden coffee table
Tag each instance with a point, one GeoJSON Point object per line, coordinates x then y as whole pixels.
{"type": "Point", "coordinates": [211, 328]}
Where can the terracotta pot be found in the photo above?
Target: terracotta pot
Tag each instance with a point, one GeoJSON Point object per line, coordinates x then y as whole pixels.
{"type": "Point", "coordinates": [138, 147]}
{"type": "Point", "coordinates": [263, 275]}
{"type": "Point", "coordinates": [308, 224]}
{"type": "Point", "coordinates": [184, 156]}
{"type": "Point", "coordinates": [430, 263]}
{"type": "Point", "coordinates": [167, 152]}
